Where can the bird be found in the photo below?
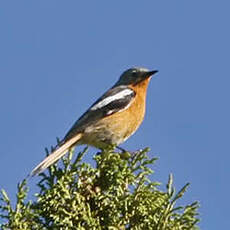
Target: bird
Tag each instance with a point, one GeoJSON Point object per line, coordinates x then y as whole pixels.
{"type": "Point", "coordinates": [111, 120]}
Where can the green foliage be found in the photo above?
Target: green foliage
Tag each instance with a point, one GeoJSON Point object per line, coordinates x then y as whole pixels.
{"type": "Point", "coordinates": [114, 195]}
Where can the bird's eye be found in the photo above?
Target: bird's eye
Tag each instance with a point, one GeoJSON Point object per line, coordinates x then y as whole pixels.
{"type": "Point", "coordinates": [134, 73]}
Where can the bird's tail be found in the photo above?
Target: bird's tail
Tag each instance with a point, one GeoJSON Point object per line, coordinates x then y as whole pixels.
{"type": "Point", "coordinates": [54, 156]}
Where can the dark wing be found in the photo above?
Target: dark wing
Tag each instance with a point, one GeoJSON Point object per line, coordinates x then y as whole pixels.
{"type": "Point", "coordinates": [114, 100]}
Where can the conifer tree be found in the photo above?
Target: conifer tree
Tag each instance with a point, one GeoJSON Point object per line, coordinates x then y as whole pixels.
{"type": "Point", "coordinates": [116, 194]}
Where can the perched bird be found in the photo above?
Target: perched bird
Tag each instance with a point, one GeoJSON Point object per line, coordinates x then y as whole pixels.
{"type": "Point", "coordinates": [113, 118]}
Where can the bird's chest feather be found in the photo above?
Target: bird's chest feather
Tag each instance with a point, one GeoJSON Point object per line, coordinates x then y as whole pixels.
{"type": "Point", "coordinates": [116, 128]}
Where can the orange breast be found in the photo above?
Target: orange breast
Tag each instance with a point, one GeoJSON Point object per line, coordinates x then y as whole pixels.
{"type": "Point", "coordinates": [115, 129]}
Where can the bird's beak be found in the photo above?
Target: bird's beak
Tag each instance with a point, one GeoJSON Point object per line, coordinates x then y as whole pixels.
{"type": "Point", "coordinates": [149, 74]}
{"type": "Point", "coordinates": [145, 76]}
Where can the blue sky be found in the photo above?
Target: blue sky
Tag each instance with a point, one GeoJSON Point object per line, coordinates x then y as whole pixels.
{"type": "Point", "coordinates": [57, 57]}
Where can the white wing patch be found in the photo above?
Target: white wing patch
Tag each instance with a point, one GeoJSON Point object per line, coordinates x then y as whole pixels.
{"type": "Point", "coordinates": [109, 99]}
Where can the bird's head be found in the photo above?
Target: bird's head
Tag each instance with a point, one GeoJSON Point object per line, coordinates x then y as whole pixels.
{"type": "Point", "coordinates": [135, 75]}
